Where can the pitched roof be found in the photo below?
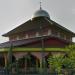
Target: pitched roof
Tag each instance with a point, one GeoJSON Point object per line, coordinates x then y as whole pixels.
{"type": "Point", "coordinates": [35, 24]}
{"type": "Point", "coordinates": [17, 43]}
{"type": "Point", "coordinates": [29, 41]}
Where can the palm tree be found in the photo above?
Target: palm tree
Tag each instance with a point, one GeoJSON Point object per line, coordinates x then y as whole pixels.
{"type": "Point", "coordinates": [56, 63]}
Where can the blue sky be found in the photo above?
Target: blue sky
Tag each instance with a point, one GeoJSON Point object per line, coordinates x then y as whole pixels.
{"type": "Point", "coordinates": [16, 12]}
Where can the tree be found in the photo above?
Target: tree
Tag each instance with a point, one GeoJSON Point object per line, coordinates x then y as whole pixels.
{"type": "Point", "coordinates": [70, 59]}
{"type": "Point", "coordinates": [66, 62]}
{"type": "Point", "coordinates": [56, 63]}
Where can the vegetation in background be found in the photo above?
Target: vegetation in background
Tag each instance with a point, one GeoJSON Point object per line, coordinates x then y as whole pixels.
{"type": "Point", "coordinates": [55, 63]}
{"type": "Point", "coordinates": [66, 61]}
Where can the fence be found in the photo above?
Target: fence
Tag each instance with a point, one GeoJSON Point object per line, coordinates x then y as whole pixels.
{"type": "Point", "coordinates": [33, 71]}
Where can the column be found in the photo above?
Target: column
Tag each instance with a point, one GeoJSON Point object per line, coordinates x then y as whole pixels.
{"type": "Point", "coordinates": [40, 65]}
{"type": "Point", "coordinates": [5, 59]}
{"type": "Point", "coordinates": [37, 63]}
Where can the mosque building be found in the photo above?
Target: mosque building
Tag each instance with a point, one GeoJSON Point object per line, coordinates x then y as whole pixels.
{"type": "Point", "coordinates": [35, 40]}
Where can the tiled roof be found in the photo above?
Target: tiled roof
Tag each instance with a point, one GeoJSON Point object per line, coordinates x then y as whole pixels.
{"type": "Point", "coordinates": [35, 24]}
{"type": "Point", "coordinates": [28, 41]}
{"type": "Point", "coordinates": [17, 42]}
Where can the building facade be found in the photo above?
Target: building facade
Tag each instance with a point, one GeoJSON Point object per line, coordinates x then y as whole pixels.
{"type": "Point", "coordinates": [34, 41]}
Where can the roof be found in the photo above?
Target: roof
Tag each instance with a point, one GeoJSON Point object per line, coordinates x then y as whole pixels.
{"type": "Point", "coordinates": [29, 25]}
{"type": "Point", "coordinates": [40, 13]}
{"type": "Point", "coordinates": [17, 43]}
{"type": "Point", "coordinates": [28, 41]}
{"type": "Point", "coordinates": [35, 24]}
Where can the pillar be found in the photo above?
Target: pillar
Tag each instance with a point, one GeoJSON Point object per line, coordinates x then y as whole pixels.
{"type": "Point", "coordinates": [25, 64]}
{"type": "Point", "coordinates": [5, 59]}
{"type": "Point", "coordinates": [37, 63]}
{"type": "Point", "coordinates": [40, 64]}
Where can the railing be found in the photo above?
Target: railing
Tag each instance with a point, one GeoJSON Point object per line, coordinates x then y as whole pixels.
{"type": "Point", "coordinates": [34, 71]}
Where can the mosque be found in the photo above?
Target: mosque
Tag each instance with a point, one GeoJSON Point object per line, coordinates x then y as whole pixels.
{"type": "Point", "coordinates": [35, 40]}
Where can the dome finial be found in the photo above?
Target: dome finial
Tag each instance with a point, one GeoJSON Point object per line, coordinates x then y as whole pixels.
{"type": "Point", "coordinates": [40, 4]}
{"type": "Point", "coordinates": [41, 12]}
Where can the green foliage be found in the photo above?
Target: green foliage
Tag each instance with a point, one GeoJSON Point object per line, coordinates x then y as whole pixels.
{"type": "Point", "coordinates": [71, 56]}
{"type": "Point", "coordinates": [68, 63]}
{"type": "Point", "coordinates": [63, 62]}
{"type": "Point", "coordinates": [71, 47]}
{"type": "Point", "coordinates": [55, 63]}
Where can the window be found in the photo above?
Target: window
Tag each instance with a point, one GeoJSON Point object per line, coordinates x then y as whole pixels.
{"type": "Point", "coordinates": [26, 36]}
{"type": "Point", "coordinates": [17, 38]}
{"type": "Point", "coordinates": [49, 32]}
{"type": "Point", "coordinates": [37, 34]}
{"type": "Point", "coordinates": [58, 34]}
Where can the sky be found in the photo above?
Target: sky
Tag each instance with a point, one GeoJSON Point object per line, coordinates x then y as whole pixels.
{"type": "Point", "coordinates": [15, 12]}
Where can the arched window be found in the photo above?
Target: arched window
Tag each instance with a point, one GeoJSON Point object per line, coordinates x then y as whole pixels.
{"type": "Point", "coordinates": [29, 61]}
